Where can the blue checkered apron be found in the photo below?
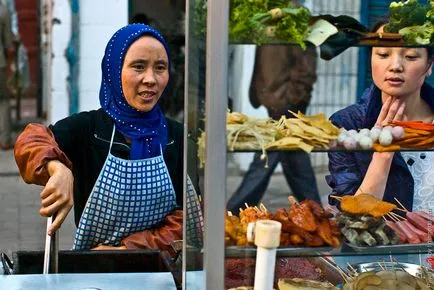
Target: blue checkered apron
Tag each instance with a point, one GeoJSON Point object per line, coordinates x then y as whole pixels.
{"type": "Point", "coordinates": [128, 196]}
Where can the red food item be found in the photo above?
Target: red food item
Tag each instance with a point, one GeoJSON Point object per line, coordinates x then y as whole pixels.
{"type": "Point", "coordinates": [394, 227]}
{"type": "Point", "coordinates": [423, 236]}
{"type": "Point", "coordinates": [419, 222]}
{"type": "Point", "coordinates": [241, 272]}
{"type": "Point", "coordinates": [425, 215]}
{"type": "Point", "coordinates": [412, 238]}
{"type": "Point", "coordinates": [302, 216]}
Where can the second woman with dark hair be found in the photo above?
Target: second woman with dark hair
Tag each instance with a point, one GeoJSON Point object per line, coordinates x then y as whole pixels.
{"type": "Point", "coordinates": [399, 92]}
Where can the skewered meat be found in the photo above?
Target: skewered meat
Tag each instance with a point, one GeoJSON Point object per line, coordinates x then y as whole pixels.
{"type": "Point", "coordinates": [366, 204]}
{"type": "Point", "coordinates": [317, 210]}
{"type": "Point", "coordinates": [234, 231]}
{"type": "Point", "coordinates": [419, 222]}
{"type": "Point", "coordinates": [325, 232]}
{"type": "Point", "coordinates": [411, 237]}
{"type": "Point", "coordinates": [423, 236]}
{"type": "Point", "coordinates": [402, 238]}
{"type": "Point", "coordinates": [302, 216]}
{"type": "Point", "coordinates": [425, 215]}
{"type": "Point", "coordinates": [252, 214]}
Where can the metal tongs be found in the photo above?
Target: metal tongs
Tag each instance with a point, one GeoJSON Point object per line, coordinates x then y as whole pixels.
{"type": "Point", "coordinates": [51, 254]}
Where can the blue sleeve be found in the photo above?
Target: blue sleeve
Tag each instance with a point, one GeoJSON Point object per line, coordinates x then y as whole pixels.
{"type": "Point", "coordinates": [345, 176]}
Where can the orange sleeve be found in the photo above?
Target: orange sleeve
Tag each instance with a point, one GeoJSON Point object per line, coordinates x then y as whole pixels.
{"type": "Point", "coordinates": [158, 238]}
{"type": "Point", "coordinates": [34, 148]}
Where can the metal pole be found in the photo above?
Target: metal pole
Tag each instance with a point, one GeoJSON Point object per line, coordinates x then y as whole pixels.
{"type": "Point", "coordinates": [215, 128]}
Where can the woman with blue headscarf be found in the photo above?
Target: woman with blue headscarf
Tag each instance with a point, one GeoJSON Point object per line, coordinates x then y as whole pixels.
{"type": "Point", "coordinates": [120, 166]}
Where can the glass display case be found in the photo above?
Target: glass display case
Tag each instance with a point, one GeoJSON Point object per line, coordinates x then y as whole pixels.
{"type": "Point", "coordinates": [218, 77]}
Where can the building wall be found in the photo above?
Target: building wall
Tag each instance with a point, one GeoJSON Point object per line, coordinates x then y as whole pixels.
{"type": "Point", "coordinates": [58, 105]}
{"type": "Point", "coordinates": [99, 19]}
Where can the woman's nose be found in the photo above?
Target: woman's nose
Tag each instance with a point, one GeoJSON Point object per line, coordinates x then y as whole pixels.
{"type": "Point", "coordinates": [396, 64]}
{"type": "Point", "coordinates": [149, 77]}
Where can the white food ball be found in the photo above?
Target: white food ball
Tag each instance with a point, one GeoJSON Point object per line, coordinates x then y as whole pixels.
{"type": "Point", "coordinates": [388, 128]}
{"type": "Point", "coordinates": [386, 137]}
{"type": "Point", "coordinates": [375, 133]}
{"type": "Point", "coordinates": [350, 143]}
{"type": "Point", "coordinates": [357, 137]}
{"type": "Point", "coordinates": [341, 137]}
{"type": "Point", "coordinates": [333, 144]}
{"type": "Point", "coordinates": [397, 133]}
{"type": "Point", "coordinates": [365, 142]}
{"type": "Point", "coordinates": [365, 132]}
{"type": "Point", "coordinates": [352, 132]}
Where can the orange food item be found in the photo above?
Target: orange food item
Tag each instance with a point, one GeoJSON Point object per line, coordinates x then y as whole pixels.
{"type": "Point", "coordinates": [302, 216]}
{"type": "Point", "coordinates": [366, 204]}
{"type": "Point", "coordinates": [415, 125]}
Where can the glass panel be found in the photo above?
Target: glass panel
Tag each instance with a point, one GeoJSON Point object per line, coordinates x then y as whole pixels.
{"type": "Point", "coordinates": [194, 121]}
{"type": "Point", "coordinates": [270, 179]}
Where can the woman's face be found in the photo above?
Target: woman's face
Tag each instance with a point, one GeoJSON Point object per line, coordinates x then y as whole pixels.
{"type": "Point", "coordinates": [399, 71]}
{"type": "Point", "coordinates": [145, 73]}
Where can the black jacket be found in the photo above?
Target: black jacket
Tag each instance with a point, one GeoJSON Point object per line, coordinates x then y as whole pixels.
{"type": "Point", "coordinates": [85, 139]}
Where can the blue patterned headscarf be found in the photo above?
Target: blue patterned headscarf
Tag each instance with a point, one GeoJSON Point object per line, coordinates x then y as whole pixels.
{"type": "Point", "coordinates": [147, 130]}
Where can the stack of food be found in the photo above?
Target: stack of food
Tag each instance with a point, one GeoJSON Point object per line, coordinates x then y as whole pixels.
{"type": "Point", "coordinates": [365, 230]}
{"type": "Point", "coordinates": [303, 224]}
{"type": "Point", "coordinates": [361, 220]}
{"type": "Point", "coordinates": [304, 132]}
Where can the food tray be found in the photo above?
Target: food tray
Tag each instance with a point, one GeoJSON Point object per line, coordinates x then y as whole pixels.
{"type": "Point", "coordinates": [412, 269]}
{"type": "Point", "coordinates": [250, 252]}
{"type": "Point", "coordinates": [399, 248]}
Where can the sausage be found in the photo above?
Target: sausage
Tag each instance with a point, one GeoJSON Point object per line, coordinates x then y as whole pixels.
{"type": "Point", "coordinates": [399, 233]}
{"type": "Point", "coordinates": [423, 236]}
{"type": "Point", "coordinates": [420, 223]}
{"type": "Point", "coordinates": [412, 238]}
{"type": "Point", "coordinates": [425, 215]}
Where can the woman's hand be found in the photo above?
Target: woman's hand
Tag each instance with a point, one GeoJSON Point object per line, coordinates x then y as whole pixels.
{"type": "Point", "coordinates": [392, 110]}
{"type": "Point", "coordinates": [108, 248]}
{"type": "Point", "coordinates": [57, 196]}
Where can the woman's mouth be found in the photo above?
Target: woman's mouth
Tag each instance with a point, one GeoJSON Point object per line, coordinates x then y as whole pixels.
{"type": "Point", "coordinates": [395, 81]}
{"type": "Point", "coordinates": [147, 95]}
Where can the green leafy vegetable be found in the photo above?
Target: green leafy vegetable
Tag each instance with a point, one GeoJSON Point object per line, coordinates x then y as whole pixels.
{"type": "Point", "coordinates": [430, 14]}
{"type": "Point", "coordinates": [405, 14]}
{"type": "Point", "coordinates": [419, 34]}
{"type": "Point", "coordinates": [262, 21]}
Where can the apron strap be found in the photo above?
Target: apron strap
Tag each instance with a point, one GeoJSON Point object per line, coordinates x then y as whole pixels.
{"type": "Point", "coordinates": [113, 136]}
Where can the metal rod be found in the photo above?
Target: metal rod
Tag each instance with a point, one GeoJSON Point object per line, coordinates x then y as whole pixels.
{"type": "Point", "coordinates": [215, 127]}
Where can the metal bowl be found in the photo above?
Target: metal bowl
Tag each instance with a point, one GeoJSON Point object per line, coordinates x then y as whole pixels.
{"type": "Point", "coordinates": [412, 269]}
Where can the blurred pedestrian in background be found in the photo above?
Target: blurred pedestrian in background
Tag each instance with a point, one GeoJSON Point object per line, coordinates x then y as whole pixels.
{"type": "Point", "coordinates": [282, 80]}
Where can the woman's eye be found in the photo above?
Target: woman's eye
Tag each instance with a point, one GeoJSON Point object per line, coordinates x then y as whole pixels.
{"type": "Point", "coordinates": [411, 57]}
{"type": "Point", "coordinates": [138, 66]}
{"type": "Point", "coordinates": [382, 55]}
{"type": "Point", "coordinates": [161, 68]}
